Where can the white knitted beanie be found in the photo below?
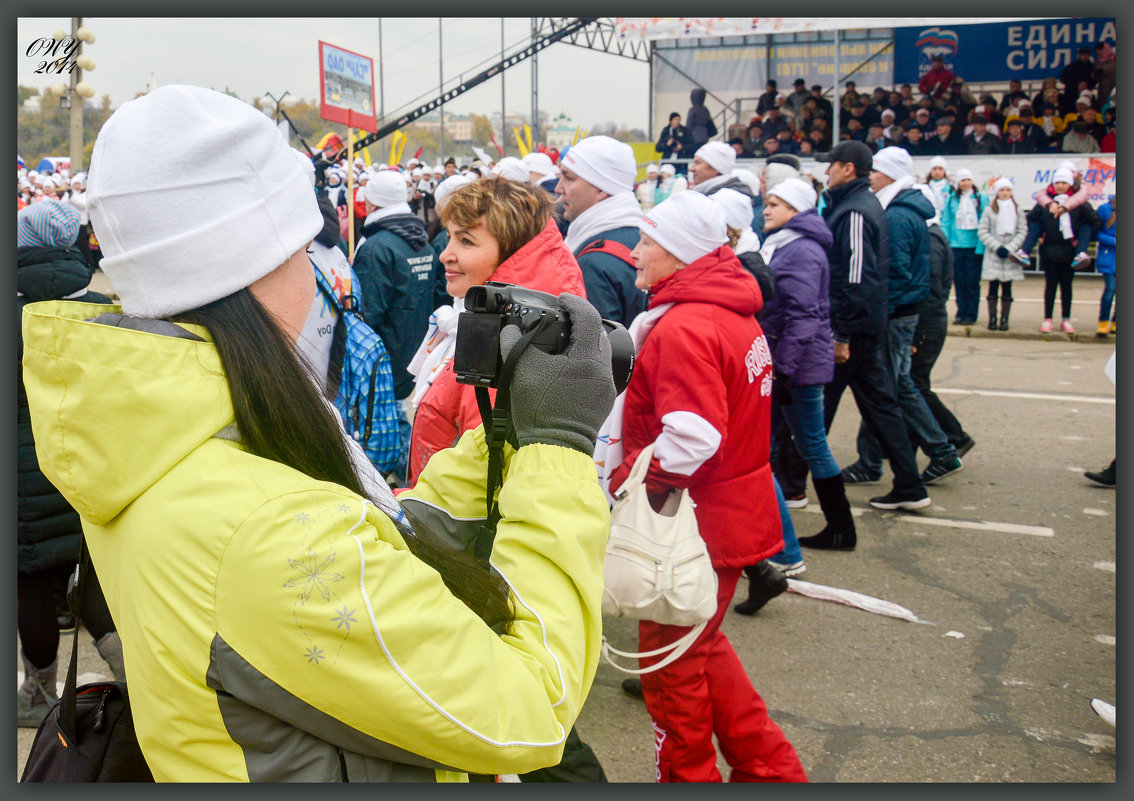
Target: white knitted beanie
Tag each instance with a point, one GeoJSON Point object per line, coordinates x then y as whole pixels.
{"type": "Point", "coordinates": [689, 225]}
{"type": "Point", "coordinates": [387, 188]}
{"type": "Point", "coordinates": [604, 163]}
{"type": "Point", "coordinates": [718, 155]}
{"type": "Point", "coordinates": [230, 204]}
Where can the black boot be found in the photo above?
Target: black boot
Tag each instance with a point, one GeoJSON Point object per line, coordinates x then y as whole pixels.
{"type": "Point", "coordinates": [1005, 305]}
{"type": "Point", "coordinates": [764, 584]}
{"type": "Point", "coordinates": [991, 314]}
{"type": "Point", "coordinates": [839, 533]}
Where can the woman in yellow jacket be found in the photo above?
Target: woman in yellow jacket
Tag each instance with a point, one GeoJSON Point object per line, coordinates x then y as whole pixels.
{"type": "Point", "coordinates": [282, 618]}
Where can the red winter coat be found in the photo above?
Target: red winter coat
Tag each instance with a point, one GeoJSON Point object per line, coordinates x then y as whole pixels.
{"type": "Point", "coordinates": [704, 372]}
{"type": "Point", "coordinates": [449, 409]}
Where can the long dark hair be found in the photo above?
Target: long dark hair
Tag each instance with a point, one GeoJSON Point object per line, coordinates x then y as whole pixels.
{"type": "Point", "coordinates": [281, 416]}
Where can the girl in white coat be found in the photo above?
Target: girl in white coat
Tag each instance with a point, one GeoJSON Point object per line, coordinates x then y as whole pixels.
{"type": "Point", "coordinates": [1002, 230]}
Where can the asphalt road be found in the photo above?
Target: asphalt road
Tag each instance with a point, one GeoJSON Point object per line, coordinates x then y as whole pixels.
{"type": "Point", "coordinates": [1012, 572]}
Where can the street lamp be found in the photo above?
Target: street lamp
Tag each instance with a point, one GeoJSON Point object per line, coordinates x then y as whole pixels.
{"type": "Point", "coordinates": [79, 87]}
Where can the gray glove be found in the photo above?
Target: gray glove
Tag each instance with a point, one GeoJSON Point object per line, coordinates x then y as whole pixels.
{"type": "Point", "coordinates": [563, 399]}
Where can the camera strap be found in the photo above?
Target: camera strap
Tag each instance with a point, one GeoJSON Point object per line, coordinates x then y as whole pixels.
{"type": "Point", "coordinates": [498, 429]}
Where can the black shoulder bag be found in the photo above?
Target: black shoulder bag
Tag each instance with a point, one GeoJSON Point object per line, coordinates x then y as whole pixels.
{"type": "Point", "coordinates": [89, 735]}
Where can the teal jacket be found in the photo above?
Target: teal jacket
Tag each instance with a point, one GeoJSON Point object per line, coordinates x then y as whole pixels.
{"type": "Point", "coordinates": [959, 238]}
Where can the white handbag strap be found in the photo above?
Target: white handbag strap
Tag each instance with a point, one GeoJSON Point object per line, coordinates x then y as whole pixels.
{"type": "Point", "coordinates": [675, 649]}
{"type": "Point", "coordinates": [638, 472]}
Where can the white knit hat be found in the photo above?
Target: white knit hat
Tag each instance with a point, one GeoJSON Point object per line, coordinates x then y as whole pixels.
{"type": "Point", "coordinates": [512, 169]}
{"type": "Point", "coordinates": [1001, 183]}
{"type": "Point", "coordinates": [604, 163]}
{"type": "Point", "coordinates": [448, 186]}
{"type": "Point", "coordinates": [937, 161]}
{"type": "Point", "coordinates": [668, 169]}
{"type": "Point", "coordinates": [737, 208]}
{"type": "Point", "coordinates": [963, 173]}
{"type": "Point", "coordinates": [689, 225]}
{"type": "Point", "coordinates": [1063, 174]}
{"type": "Point", "coordinates": [776, 172]}
{"type": "Point", "coordinates": [230, 204]}
{"type": "Point", "coordinates": [539, 163]}
{"type": "Point", "coordinates": [387, 188]}
{"type": "Point", "coordinates": [796, 192]}
{"type": "Point", "coordinates": [718, 155]}
{"type": "Point", "coordinates": [651, 167]}
{"type": "Point", "coordinates": [894, 162]}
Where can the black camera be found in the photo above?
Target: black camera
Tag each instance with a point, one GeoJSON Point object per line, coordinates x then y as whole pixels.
{"type": "Point", "coordinates": [488, 308]}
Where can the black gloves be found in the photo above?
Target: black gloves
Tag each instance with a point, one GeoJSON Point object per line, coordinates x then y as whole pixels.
{"type": "Point", "coordinates": [563, 399]}
{"type": "Point", "coordinates": [1002, 252]}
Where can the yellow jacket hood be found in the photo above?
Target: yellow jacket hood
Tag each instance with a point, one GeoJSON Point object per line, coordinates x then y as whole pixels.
{"type": "Point", "coordinates": [102, 396]}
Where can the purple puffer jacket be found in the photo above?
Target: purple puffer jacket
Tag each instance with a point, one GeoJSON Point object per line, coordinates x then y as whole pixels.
{"type": "Point", "coordinates": [798, 320]}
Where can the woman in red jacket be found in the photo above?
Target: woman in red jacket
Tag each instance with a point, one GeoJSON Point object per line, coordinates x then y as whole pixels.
{"type": "Point", "coordinates": [702, 394]}
{"type": "Point", "coordinates": [499, 230]}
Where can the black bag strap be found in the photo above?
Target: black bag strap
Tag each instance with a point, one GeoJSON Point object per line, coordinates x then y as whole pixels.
{"type": "Point", "coordinates": [67, 702]}
{"type": "Point", "coordinates": [498, 429]}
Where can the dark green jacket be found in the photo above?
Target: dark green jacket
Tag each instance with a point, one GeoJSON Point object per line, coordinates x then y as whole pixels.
{"type": "Point", "coordinates": [401, 284]}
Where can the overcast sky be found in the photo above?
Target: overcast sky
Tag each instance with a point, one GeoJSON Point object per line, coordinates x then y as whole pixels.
{"type": "Point", "coordinates": [253, 57]}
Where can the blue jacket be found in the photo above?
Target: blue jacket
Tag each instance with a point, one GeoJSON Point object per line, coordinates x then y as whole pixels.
{"type": "Point", "coordinates": [610, 280]}
{"type": "Point", "coordinates": [859, 259]}
{"type": "Point", "coordinates": [959, 238]}
{"type": "Point", "coordinates": [1105, 257]}
{"type": "Point", "coordinates": [909, 251]}
{"type": "Point", "coordinates": [401, 284]}
{"type": "Point", "coordinates": [797, 321]}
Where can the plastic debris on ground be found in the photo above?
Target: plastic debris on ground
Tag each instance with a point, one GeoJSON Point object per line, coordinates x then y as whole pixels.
{"type": "Point", "coordinates": [855, 599]}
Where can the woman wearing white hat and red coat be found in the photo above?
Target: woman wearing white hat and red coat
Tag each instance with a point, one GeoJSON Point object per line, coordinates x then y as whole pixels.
{"type": "Point", "coordinates": [701, 393]}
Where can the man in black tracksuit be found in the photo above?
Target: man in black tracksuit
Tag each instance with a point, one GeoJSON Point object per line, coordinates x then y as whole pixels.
{"type": "Point", "coordinates": [929, 337]}
{"type": "Point", "coordinates": [859, 293]}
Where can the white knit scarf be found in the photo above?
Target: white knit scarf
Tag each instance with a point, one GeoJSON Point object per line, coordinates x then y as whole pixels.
{"type": "Point", "coordinates": [617, 211]}
{"type": "Point", "coordinates": [890, 191]}
{"type": "Point", "coordinates": [1006, 217]}
{"type": "Point", "coordinates": [777, 239]}
{"type": "Point", "coordinates": [436, 350]}
{"type": "Point", "coordinates": [1064, 219]}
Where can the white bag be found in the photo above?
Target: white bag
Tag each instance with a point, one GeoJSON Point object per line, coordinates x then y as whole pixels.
{"type": "Point", "coordinates": [656, 566]}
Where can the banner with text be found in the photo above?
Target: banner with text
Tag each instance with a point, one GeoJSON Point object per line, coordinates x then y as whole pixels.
{"type": "Point", "coordinates": [655, 28]}
{"type": "Point", "coordinates": [1027, 50]}
{"type": "Point", "coordinates": [346, 88]}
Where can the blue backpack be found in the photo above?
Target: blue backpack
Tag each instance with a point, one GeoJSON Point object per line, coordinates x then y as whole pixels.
{"type": "Point", "coordinates": [362, 380]}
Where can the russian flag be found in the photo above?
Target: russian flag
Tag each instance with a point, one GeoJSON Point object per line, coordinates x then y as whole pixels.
{"type": "Point", "coordinates": [19, 162]}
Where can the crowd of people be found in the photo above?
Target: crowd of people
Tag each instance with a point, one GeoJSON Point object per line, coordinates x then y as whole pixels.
{"type": "Point", "coordinates": [754, 296]}
{"type": "Point", "coordinates": [941, 115]}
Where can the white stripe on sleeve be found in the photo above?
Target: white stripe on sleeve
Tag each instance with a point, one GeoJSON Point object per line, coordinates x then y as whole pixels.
{"type": "Point", "coordinates": [855, 274]}
{"type": "Point", "coordinates": [687, 441]}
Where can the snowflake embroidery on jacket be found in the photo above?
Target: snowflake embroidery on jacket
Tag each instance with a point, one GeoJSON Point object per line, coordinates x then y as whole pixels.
{"type": "Point", "coordinates": [314, 575]}
{"type": "Point", "coordinates": [344, 618]}
{"type": "Point", "coordinates": [303, 518]}
{"type": "Point", "coordinates": [315, 654]}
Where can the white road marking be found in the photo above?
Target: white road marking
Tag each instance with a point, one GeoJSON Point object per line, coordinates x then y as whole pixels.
{"type": "Point", "coordinates": [1109, 567]}
{"type": "Point", "coordinates": [1072, 438]}
{"type": "Point", "coordinates": [978, 525]}
{"type": "Point", "coordinates": [1024, 395]}
{"type": "Point", "coordinates": [1105, 639]}
{"type": "Point", "coordinates": [1097, 512]}
{"type": "Point", "coordinates": [981, 525]}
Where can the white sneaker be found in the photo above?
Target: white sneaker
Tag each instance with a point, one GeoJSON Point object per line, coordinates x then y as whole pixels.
{"type": "Point", "coordinates": [1104, 710]}
{"type": "Point", "coordinates": [797, 502]}
{"type": "Point", "coordinates": [794, 569]}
